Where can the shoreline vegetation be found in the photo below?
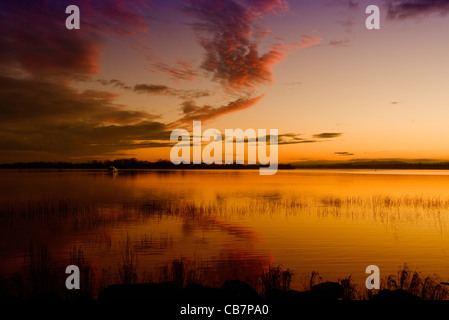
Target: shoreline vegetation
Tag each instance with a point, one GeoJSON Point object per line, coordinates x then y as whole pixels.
{"type": "Point", "coordinates": [133, 163]}
{"type": "Point", "coordinates": [185, 280]}
{"type": "Point", "coordinates": [42, 276]}
{"type": "Point", "coordinates": [130, 164]}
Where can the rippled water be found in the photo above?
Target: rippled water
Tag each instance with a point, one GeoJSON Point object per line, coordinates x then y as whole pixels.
{"type": "Point", "coordinates": [234, 223]}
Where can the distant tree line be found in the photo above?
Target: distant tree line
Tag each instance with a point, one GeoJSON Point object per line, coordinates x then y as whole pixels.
{"type": "Point", "coordinates": [131, 163]}
{"type": "Point", "coordinates": [379, 165]}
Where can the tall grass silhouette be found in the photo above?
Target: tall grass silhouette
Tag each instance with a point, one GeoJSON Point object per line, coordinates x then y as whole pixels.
{"type": "Point", "coordinates": [39, 279]}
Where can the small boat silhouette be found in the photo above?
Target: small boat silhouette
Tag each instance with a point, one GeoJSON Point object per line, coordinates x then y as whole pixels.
{"type": "Point", "coordinates": [113, 169]}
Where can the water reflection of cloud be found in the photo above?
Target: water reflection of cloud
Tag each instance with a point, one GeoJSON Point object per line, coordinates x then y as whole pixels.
{"type": "Point", "coordinates": [189, 226]}
{"type": "Point", "coordinates": [236, 263]}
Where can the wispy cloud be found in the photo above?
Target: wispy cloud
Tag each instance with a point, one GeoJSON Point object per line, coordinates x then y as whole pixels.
{"type": "Point", "coordinates": [282, 139]}
{"type": "Point", "coordinates": [203, 113]}
{"type": "Point", "coordinates": [347, 23]}
{"type": "Point", "coordinates": [228, 33]}
{"type": "Point", "coordinates": [327, 135]}
{"type": "Point", "coordinates": [404, 9]}
{"type": "Point", "coordinates": [71, 123]}
{"type": "Point", "coordinates": [349, 4]}
{"type": "Point", "coordinates": [344, 153]}
{"type": "Point", "coordinates": [349, 8]}
{"type": "Point", "coordinates": [295, 138]}
{"type": "Point", "coordinates": [339, 43]}
{"type": "Point", "coordinates": [156, 89]}
{"type": "Point", "coordinates": [181, 71]}
{"type": "Point", "coordinates": [115, 83]}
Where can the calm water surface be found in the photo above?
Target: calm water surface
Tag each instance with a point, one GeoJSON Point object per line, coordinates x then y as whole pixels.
{"type": "Point", "coordinates": [335, 222]}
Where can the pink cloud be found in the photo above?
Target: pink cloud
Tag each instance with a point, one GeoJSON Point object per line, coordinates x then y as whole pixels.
{"type": "Point", "coordinates": [193, 112]}
{"type": "Point", "coordinates": [182, 71]}
{"type": "Point", "coordinates": [33, 36]}
{"type": "Point", "coordinates": [228, 32]}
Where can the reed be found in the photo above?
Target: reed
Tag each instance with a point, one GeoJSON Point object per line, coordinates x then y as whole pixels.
{"type": "Point", "coordinates": [275, 278]}
{"type": "Point", "coordinates": [183, 272]}
{"type": "Point", "coordinates": [127, 270]}
{"type": "Point", "coordinates": [74, 213]}
{"type": "Point", "coordinates": [82, 214]}
{"type": "Point", "coordinates": [426, 287]}
{"type": "Point", "coordinates": [89, 286]}
{"type": "Point", "coordinates": [42, 278]}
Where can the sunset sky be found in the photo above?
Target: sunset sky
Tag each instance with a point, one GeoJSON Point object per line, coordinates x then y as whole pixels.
{"type": "Point", "coordinates": [136, 70]}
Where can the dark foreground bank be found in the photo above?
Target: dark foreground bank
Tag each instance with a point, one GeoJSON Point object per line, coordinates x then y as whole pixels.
{"type": "Point", "coordinates": [234, 290]}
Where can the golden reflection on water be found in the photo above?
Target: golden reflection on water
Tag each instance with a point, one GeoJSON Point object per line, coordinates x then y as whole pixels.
{"type": "Point", "coordinates": [236, 222]}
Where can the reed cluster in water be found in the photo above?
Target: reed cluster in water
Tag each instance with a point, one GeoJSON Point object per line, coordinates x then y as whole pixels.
{"type": "Point", "coordinates": [37, 278]}
{"type": "Point", "coordinates": [40, 279]}
{"type": "Point", "coordinates": [89, 214]}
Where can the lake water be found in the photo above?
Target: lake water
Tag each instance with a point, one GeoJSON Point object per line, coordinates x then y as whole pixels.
{"type": "Point", "coordinates": [335, 222]}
